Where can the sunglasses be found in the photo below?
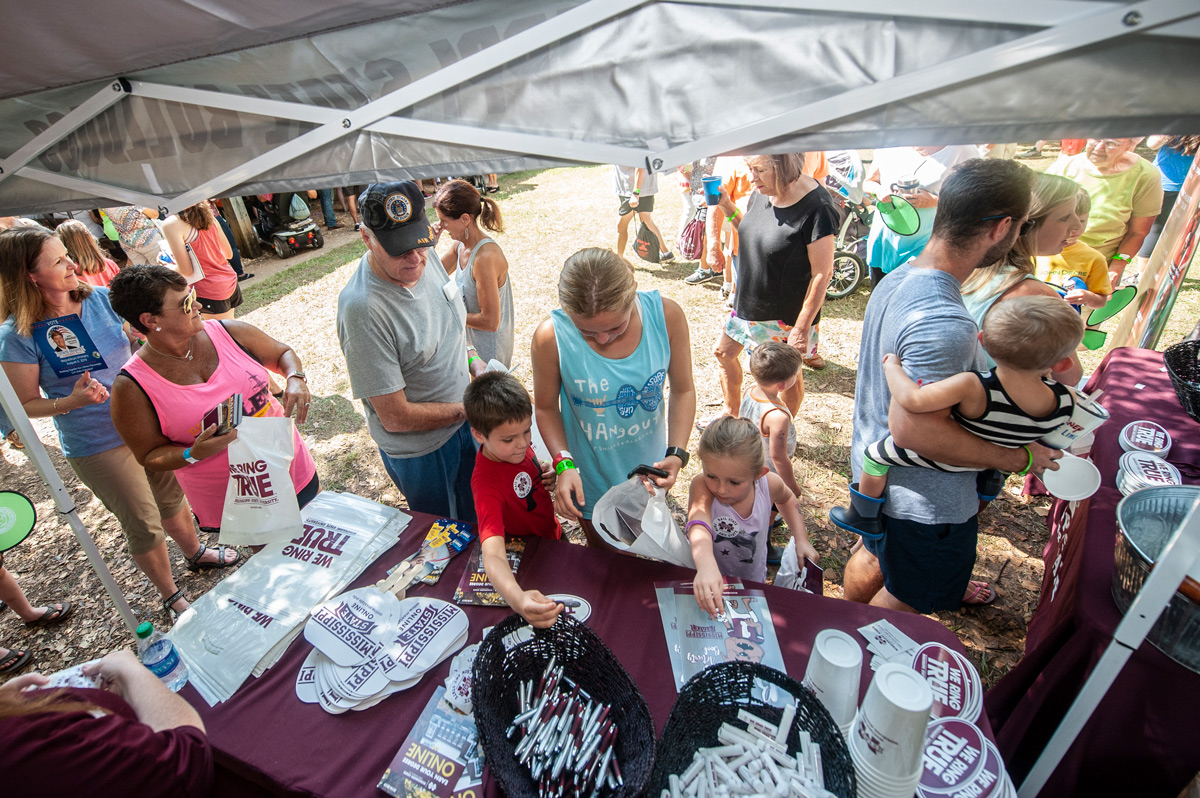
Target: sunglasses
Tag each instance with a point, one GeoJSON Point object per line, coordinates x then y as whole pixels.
{"type": "Point", "coordinates": [1026, 225]}
{"type": "Point", "coordinates": [189, 302]}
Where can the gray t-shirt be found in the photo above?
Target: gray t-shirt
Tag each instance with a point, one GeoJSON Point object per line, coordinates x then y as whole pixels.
{"type": "Point", "coordinates": [623, 176]}
{"type": "Point", "coordinates": [397, 339]}
{"type": "Point", "coordinates": [917, 314]}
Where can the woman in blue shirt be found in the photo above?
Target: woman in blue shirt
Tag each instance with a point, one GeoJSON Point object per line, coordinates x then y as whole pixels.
{"type": "Point", "coordinates": [601, 365]}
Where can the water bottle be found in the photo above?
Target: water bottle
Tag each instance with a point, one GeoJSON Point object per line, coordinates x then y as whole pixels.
{"type": "Point", "coordinates": [157, 653]}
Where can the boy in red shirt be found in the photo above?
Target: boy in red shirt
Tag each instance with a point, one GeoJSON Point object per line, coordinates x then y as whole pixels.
{"type": "Point", "coordinates": [510, 497]}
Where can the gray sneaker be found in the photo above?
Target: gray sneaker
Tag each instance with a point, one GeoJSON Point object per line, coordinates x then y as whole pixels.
{"type": "Point", "coordinates": [701, 275]}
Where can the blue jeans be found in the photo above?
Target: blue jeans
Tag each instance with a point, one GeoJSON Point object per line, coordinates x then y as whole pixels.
{"type": "Point", "coordinates": [326, 195]}
{"type": "Point", "coordinates": [438, 483]}
{"type": "Point", "coordinates": [6, 426]}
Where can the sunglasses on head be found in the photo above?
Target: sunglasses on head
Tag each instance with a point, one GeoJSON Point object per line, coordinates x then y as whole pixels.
{"type": "Point", "coordinates": [1026, 225]}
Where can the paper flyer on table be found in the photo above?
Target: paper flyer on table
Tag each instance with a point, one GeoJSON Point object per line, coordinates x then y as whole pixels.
{"type": "Point", "coordinates": [440, 757]}
{"type": "Point", "coordinates": [744, 633]}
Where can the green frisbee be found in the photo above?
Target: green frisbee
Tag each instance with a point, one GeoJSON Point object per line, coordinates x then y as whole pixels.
{"type": "Point", "coordinates": [17, 518]}
{"type": "Point", "coordinates": [899, 215]}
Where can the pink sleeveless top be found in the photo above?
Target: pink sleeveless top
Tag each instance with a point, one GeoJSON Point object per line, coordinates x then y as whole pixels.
{"type": "Point", "coordinates": [219, 277]}
{"type": "Point", "coordinates": [181, 410]}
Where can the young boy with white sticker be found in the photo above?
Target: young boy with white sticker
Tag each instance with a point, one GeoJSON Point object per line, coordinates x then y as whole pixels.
{"type": "Point", "coordinates": [511, 497]}
{"type": "Point", "coordinates": [729, 510]}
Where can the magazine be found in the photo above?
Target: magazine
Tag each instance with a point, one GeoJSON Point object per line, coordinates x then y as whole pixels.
{"type": "Point", "coordinates": [474, 588]}
{"type": "Point", "coordinates": [440, 756]}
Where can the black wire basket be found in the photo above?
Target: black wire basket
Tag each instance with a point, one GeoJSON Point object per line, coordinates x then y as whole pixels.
{"type": "Point", "coordinates": [513, 652]}
{"type": "Point", "coordinates": [714, 696]}
{"type": "Point", "coordinates": [1184, 371]}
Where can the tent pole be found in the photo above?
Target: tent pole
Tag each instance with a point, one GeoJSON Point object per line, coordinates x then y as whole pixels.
{"type": "Point", "coordinates": [62, 497]}
{"type": "Point", "coordinates": [1181, 553]}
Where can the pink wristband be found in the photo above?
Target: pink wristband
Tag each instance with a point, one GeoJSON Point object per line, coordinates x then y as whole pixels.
{"type": "Point", "coordinates": [697, 522]}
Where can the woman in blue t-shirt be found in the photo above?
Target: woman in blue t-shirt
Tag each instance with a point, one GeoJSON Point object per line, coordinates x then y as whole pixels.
{"type": "Point", "coordinates": [1174, 158]}
{"type": "Point", "coordinates": [601, 366]}
{"type": "Point", "coordinates": [38, 282]}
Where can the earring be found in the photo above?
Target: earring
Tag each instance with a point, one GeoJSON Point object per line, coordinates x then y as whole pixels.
{"type": "Point", "coordinates": [158, 329]}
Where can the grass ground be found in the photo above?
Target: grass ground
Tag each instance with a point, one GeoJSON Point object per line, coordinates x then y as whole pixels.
{"type": "Point", "coordinates": [548, 215]}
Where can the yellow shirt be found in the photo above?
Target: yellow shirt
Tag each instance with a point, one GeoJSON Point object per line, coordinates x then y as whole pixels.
{"type": "Point", "coordinates": [1077, 260]}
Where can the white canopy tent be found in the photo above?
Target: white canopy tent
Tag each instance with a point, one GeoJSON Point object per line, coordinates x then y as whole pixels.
{"type": "Point", "coordinates": [167, 104]}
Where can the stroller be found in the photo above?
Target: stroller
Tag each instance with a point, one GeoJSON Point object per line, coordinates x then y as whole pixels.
{"type": "Point", "coordinates": [283, 222]}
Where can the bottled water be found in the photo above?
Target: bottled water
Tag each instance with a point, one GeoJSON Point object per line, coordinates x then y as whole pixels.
{"type": "Point", "coordinates": [157, 653]}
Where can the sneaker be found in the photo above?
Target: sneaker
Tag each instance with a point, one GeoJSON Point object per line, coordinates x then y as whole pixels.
{"type": "Point", "coordinates": [1032, 152]}
{"type": "Point", "coordinates": [333, 226]}
{"type": "Point", "coordinates": [730, 301]}
{"type": "Point", "coordinates": [357, 227]}
{"type": "Point", "coordinates": [726, 290]}
{"type": "Point", "coordinates": [701, 275]}
{"type": "Point", "coordinates": [666, 257]}
{"type": "Point", "coordinates": [244, 276]}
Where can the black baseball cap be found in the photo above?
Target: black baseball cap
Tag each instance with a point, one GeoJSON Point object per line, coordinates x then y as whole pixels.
{"type": "Point", "coordinates": [395, 213]}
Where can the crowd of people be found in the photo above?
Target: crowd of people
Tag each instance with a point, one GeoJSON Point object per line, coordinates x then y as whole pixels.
{"type": "Point", "coordinates": [428, 344]}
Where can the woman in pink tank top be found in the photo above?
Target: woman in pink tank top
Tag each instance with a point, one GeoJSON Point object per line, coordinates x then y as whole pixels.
{"type": "Point", "coordinates": [196, 227]}
{"type": "Point", "coordinates": [187, 367]}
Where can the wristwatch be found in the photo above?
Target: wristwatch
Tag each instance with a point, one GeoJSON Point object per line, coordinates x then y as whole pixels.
{"type": "Point", "coordinates": [299, 374]}
{"type": "Point", "coordinates": [680, 453]}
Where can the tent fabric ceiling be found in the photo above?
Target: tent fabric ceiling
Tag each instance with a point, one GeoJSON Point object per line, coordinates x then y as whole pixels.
{"type": "Point", "coordinates": [503, 85]}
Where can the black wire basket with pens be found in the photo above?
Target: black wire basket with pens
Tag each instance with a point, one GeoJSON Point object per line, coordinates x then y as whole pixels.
{"type": "Point", "coordinates": [1184, 370]}
{"type": "Point", "coordinates": [557, 714]}
{"type": "Point", "coordinates": [723, 694]}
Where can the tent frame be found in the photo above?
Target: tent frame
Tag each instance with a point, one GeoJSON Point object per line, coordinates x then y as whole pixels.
{"type": "Point", "coordinates": [1065, 26]}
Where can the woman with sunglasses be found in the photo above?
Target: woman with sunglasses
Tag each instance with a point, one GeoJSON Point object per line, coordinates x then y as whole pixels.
{"type": "Point", "coordinates": [39, 281]}
{"type": "Point", "coordinates": [1051, 224]}
{"type": "Point", "coordinates": [188, 366]}
{"type": "Point", "coordinates": [195, 230]}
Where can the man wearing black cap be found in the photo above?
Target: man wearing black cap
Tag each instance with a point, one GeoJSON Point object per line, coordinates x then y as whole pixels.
{"type": "Point", "coordinates": [402, 326]}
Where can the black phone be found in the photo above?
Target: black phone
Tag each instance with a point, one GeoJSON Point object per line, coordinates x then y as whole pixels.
{"type": "Point", "coordinates": [647, 471]}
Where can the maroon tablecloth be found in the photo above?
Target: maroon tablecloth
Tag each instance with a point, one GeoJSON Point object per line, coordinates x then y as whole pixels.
{"type": "Point", "coordinates": [1141, 740]}
{"type": "Point", "coordinates": [265, 735]}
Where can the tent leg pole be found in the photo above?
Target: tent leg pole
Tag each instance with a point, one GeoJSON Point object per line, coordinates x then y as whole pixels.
{"type": "Point", "coordinates": [101, 569]}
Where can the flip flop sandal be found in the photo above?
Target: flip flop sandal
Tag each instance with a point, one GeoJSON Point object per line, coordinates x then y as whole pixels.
{"type": "Point", "coordinates": [169, 602]}
{"type": "Point", "coordinates": [52, 615]}
{"type": "Point", "coordinates": [14, 661]}
{"type": "Point", "coordinates": [976, 589]}
{"type": "Point", "coordinates": [14, 440]}
{"type": "Point", "coordinates": [194, 564]}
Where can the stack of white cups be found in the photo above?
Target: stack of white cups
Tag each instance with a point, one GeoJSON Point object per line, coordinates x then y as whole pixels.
{"type": "Point", "coordinates": [833, 674]}
{"type": "Point", "coordinates": [887, 739]}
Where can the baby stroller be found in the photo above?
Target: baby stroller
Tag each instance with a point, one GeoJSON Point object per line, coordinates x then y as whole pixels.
{"type": "Point", "coordinates": [284, 223]}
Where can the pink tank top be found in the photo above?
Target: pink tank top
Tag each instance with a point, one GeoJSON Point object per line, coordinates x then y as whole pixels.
{"type": "Point", "coordinates": [219, 277]}
{"type": "Point", "coordinates": [181, 410]}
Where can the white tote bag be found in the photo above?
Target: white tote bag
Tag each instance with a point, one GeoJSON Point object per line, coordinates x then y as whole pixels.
{"type": "Point", "coordinates": [260, 500]}
{"type": "Point", "coordinates": [628, 518]}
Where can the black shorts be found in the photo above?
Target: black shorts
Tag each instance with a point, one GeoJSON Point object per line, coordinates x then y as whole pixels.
{"type": "Point", "coordinates": [927, 566]}
{"type": "Point", "coordinates": [214, 306]}
{"type": "Point", "coordinates": [645, 205]}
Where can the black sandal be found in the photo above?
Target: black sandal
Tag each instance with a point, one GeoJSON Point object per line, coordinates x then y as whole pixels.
{"type": "Point", "coordinates": [14, 661]}
{"type": "Point", "coordinates": [52, 614]}
{"type": "Point", "coordinates": [194, 564]}
{"type": "Point", "coordinates": [169, 603]}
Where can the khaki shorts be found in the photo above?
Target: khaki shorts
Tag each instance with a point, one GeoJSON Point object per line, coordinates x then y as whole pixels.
{"type": "Point", "coordinates": [139, 498]}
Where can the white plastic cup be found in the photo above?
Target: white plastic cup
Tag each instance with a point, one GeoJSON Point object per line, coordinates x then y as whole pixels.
{"type": "Point", "coordinates": [1082, 446]}
{"type": "Point", "coordinates": [1086, 417]}
{"type": "Point", "coordinates": [889, 730]}
{"type": "Point", "coordinates": [1074, 480]}
{"type": "Point", "coordinates": [833, 673]}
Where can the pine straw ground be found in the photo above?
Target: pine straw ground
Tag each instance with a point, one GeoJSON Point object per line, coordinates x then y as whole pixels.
{"type": "Point", "coordinates": [548, 215]}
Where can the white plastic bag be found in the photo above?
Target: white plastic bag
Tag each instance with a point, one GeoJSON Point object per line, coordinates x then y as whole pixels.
{"type": "Point", "coordinates": [260, 501]}
{"type": "Point", "coordinates": [793, 576]}
{"type": "Point", "coordinates": [630, 519]}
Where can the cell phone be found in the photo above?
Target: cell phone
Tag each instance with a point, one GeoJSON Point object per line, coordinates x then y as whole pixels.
{"type": "Point", "coordinates": [648, 471]}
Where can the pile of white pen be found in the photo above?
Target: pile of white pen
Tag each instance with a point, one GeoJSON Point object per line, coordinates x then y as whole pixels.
{"type": "Point", "coordinates": [754, 763]}
{"type": "Point", "coordinates": [566, 738]}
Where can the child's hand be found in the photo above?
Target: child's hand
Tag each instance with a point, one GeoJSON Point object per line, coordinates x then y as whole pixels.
{"type": "Point", "coordinates": [805, 549]}
{"type": "Point", "coordinates": [891, 359]}
{"type": "Point", "coordinates": [540, 611]}
{"type": "Point", "coordinates": [709, 589]}
{"type": "Point", "coordinates": [548, 475]}
{"type": "Point", "coordinates": [568, 495]}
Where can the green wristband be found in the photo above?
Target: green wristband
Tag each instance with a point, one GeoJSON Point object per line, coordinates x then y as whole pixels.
{"type": "Point", "coordinates": [1028, 465]}
{"type": "Point", "coordinates": [563, 465]}
{"type": "Point", "coordinates": [1121, 256]}
{"type": "Point", "coordinates": [472, 359]}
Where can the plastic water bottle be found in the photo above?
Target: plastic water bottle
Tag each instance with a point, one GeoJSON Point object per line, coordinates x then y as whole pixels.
{"type": "Point", "coordinates": [157, 653]}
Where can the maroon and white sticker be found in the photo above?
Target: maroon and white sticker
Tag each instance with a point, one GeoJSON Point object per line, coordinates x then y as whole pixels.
{"type": "Point", "coordinates": [1146, 436]}
{"type": "Point", "coordinates": [954, 756]}
{"type": "Point", "coordinates": [948, 681]}
{"type": "Point", "coordinates": [425, 633]}
{"type": "Point", "coordinates": [353, 627]}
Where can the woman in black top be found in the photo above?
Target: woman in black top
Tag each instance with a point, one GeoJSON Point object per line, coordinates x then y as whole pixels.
{"type": "Point", "coordinates": [786, 247]}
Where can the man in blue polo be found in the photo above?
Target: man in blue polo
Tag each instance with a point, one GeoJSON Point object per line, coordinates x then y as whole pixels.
{"type": "Point", "coordinates": [924, 560]}
{"type": "Point", "coordinates": [402, 327]}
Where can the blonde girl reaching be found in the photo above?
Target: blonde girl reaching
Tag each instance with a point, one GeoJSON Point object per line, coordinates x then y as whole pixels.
{"type": "Point", "coordinates": [729, 510]}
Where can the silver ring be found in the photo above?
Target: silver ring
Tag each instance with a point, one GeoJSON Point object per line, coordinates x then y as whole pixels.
{"type": "Point", "coordinates": [306, 404]}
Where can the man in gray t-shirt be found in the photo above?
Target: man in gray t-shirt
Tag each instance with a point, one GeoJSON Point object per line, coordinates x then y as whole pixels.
{"type": "Point", "coordinates": [402, 327]}
{"type": "Point", "coordinates": [924, 559]}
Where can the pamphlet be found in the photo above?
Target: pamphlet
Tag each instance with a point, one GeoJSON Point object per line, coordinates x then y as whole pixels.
{"type": "Point", "coordinates": [226, 415]}
{"type": "Point", "coordinates": [67, 346]}
{"type": "Point", "coordinates": [440, 757]}
{"type": "Point", "coordinates": [745, 631]}
{"type": "Point", "coordinates": [474, 588]}
{"type": "Point", "coordinates": [445, 538]}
